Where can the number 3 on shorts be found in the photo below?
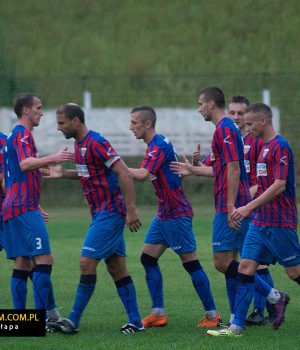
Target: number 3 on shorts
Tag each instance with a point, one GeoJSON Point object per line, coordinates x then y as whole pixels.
{"type": "Point", "coordinates": [38, 243]}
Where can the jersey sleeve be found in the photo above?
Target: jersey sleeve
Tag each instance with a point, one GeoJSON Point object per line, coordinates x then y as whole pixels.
{"type": "Point", "coordinates": [227, 139]}
{"type": "Point", "coordinates": [281, 160]}
{"type": "Point", "coordinates": [153, 159]}
{"type": "Point", "coordinates": [24, 145]}
{"type": "Point", "coordinates": [208, 160]}
{"type": "Point", "coordinates": [106, 153]}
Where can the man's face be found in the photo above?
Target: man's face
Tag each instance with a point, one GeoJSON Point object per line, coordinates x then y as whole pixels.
{"type": "Point", "coordinates": [204, 108]}
{"type": "Point", "coordinates": [254, 124]}
{"type": "Point", "coordinates": [236, 112]}
{"type": "Point", "coordinates": [137, 125]}
{"type": "Point", "coordinates": [34, 113]}
{"type": "Point", "coordinates": [65, 125]}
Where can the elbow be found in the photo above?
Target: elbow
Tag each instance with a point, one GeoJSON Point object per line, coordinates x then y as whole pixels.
{"type": "Point", "coordinates": [24, 166]}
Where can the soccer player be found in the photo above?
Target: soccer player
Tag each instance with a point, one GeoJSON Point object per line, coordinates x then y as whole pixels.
{"type": "Point", "coordinates": [272, 234]}
{"type": "Point", "coordinates": [172, 226]}
{"type": "Point", "coordinates": [252, 148]}
{"type": "Point", "coordinates": [26, 236]}
{"type": "Point", "coordinates": [2, 195]}
{"type": "Point", "coordinates": [230, 186]}
{"type": "Point", "coordinates": [98, 169]}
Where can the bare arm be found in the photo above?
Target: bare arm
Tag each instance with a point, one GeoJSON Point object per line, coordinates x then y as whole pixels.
{"type": "Point", "coordinates": [32, 163]}
{"type": "Point", "coordinates": [127, 185]}
{"type": "Point", "coordinates": [233, 179]}
{"type": "Point", "coordinates": [187, 169]}
{"type": "Point", "coordinates": [139, 174]}
{"type": "Point", "coordinates": [253, 190]}
{"type": "Point", "coordinates": [273, 191]}
{"type": "Point", "coordinates": [58, 172]}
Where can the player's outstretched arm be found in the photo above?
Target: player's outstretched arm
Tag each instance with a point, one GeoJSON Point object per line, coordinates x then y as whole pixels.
{"type": "Point", "coordinates": [32, 163]}
{"type": "Point", "coordinates": [58, 172]}
{"type": "Point", "coordinates": [127, 185]}
{"type": "Point", "coordinates": [139, 174]}
{"type": "Point", "coordinates": [186, 168]}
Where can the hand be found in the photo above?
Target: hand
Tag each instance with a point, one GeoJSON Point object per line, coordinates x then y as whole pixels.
{"type": "Point", "coordinates": [52, 172]}
{"type": "Point", "coordinates": [184, 169]}
{"type": "Point", "coordinates": [132, 220]}
{"type": "Point", "coordinates": [234, 224]}
{"type": "Point", "coordinates": [240, 213]}
{"type": "Point", "coordinates": [45, 215]}
{"type": "Point", "coordinates": [63, 156]}
{"type": "Point", "coordinates": [196, 156]}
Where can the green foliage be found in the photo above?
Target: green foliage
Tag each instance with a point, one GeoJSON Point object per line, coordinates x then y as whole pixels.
{"type": "Point", "coordinates": [99, 328]}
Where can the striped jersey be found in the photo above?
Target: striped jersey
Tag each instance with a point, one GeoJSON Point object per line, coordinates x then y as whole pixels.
{"type": "Point", "coordinates": [171, 199]}
{"type": "Point", "coordinates": [2, 144]}
{"type": "Point", "coordinates": [227, 146]}
{"type": "Point", "coordinates": [95, 159]}
{"type": "Point", "coordinates": [252, 148]}
{"type": "Point", "coordinates": [22, 188]}
{"type": "Point", "coordinates": [275, 161]}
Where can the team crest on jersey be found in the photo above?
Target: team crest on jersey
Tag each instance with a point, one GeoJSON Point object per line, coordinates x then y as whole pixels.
{"type": "Point", "coordinates": [83, 151]}
{"type": "Point", "coordinates": [265, 152]}
{"type": "Point", "coordinates": [247, 165]}
{"type": "Point", "coordinates": [246, 149]}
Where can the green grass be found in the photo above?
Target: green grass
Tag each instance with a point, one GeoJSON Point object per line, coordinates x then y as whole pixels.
{"type": "Point", "coordinates": [105, 315]}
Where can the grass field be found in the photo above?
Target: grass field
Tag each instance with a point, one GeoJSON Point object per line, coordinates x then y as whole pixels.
{"type": "Point", "coordinates": [104, 315]}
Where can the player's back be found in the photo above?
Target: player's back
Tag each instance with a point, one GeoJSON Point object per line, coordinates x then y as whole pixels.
{"type": "Point", "coordinates": [22, 188]}
{"type": "Point", "coordinates": [172, 201]}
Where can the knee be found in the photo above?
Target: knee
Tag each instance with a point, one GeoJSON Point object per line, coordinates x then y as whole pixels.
{"type": "Point", "coordinates": [220, 265]}
{"type": "Point", "coordinates": [86, 266]}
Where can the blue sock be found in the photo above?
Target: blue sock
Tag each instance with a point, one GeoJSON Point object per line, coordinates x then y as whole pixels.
{"type": "Point", "coordinates": [259, 299]}
{"type": "Point", "coordinates": [154, 280]}
{"type": "Point", "coordinates": [243, 298]}
{"type": "Point", "coordinates": [201, 284]}
{"type": "Point", "coordinates": [41, 285]}
{"type": "Point", "coordinates": [51, 300]}
{"type": "Point", "coordinates": [85, 290]}
{"type": "Point", "coordinates": [126, 291]}
{"type": "Point", "coordinates": [231, 283]}
{"type": "Point", "coordinates": [18, 286]}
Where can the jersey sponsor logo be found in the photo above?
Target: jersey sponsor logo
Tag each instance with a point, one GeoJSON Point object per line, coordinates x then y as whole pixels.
{"type": "Point", "coordinates": [226, 140]}
{"type": "Point", "coordinates": [261, 169]}
{"type": "Point", "coordinates": [282, 160]}
{"type": "Point", "coordinates": [247, 165]}
{"type": "Point", "coordinates": [265, 152]}
{"type": "Point", "coordinates": [82, 170]}
{"type": "Point", "coordinates": [150, 154]}
{"type": "Point", "coordinates": [83, 151]}
{"type": "Point", "coordinates": [246, 149]}
{"type": "Point", "coordinates": [24, 139]}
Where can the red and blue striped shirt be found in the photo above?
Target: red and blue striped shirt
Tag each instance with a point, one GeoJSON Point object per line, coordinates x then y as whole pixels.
{"type": "Point", "coordinates": [95, 159]}
{"type": "Point", "coordinates": [22, 188]}
{"type": "Point", "coordinates": [227, 146]}
{"type": "Point", "coordinates": [2, 144]}
{"type": "Point", "coordinates": [172, 202]}
{"type": "Point", "coordinates": [275, 161]}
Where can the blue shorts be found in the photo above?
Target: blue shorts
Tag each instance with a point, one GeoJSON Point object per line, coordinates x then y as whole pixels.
{"type": "Point", "coordinates": [176, 233]}
{"type": "Point", "coordinates": [105, 236]}
{"type": "Point", "coordinates": [267, 245]}
{"type": "Point", "coordinates": [224, 238]}
{"type": "Point", "coordinates": [26, 235]}
{"type": "Point", "coordinates": [2, 242]}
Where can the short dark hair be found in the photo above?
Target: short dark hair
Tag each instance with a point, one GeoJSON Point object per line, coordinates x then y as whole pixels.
{"type": "Point", "coordinates": [21, 101]}
{"type": "Point", "coordinates": [147, 113]}
{"type": "Point", "coordinates": [215, 94]}
{"type": "Point", "coordinates": [260, 108]}
{"type": "Point", "coordinates": [239, 99]}
{"type": "Point", "coordinates": [71, 111]}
